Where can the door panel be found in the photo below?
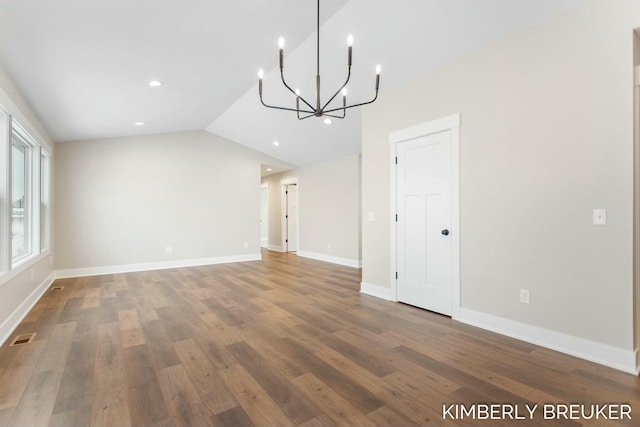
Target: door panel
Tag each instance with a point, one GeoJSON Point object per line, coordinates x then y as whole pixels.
{"type": "Point", "coordinates": [424, 210]}
{"type": "Point", "coordinates": [415, 250]}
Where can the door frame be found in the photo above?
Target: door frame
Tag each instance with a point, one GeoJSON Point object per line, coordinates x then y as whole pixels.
{"type": "Point", "coordinates": [264, 186]}
{"type": "Point", "coordinates": [283, 209]}
{"type": "Point", "coordinates": [448, 123]}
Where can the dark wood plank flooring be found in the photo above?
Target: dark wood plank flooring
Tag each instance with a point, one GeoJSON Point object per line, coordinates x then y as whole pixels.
{"type": "Point", "coordinates": [282, 342]}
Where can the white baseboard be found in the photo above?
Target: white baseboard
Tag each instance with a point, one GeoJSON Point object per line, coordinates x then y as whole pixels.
{"type": "Point", "coordinates": [11, 323]}
{"type": "Point", "coordinates": [162, 265]}
{"type": "Point", "coordinates": [617, 358]}
{"type": "Point", "coordinates": [355, 263]}
{"type": "Point", "coordinates": [274, 248]}
{"type": "Point", "coordinates": [377, 291]}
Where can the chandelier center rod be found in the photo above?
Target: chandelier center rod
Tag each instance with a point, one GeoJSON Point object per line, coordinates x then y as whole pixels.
{"type": "Point", "coordinates": [318, 111]}
{"type": "Point", "coordinates": [318, 41]}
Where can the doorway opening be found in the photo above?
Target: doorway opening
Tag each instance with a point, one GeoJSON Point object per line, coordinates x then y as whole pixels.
{"type": "Point", "coordinates": [264, 215]}
{"type": "Point", "coordinates": [290, 223]}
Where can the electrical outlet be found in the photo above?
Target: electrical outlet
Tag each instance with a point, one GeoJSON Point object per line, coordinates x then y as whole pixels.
{"type": "Point", "coordinates": [524, 296]}
{"type": "Point", "coordinates": [246, 244]}
{"type": "Point", "coordinates": [329, 245]}
{"type": "Point", "coordinates": [168, 250]}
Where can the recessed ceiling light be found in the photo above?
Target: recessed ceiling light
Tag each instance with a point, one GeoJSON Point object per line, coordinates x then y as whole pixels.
{"type": "Point", "coordinates": [269, 169]}
{"type": "Point", "coordinates": [155, 83]}
{"type": "Point", "coordinates": [276, 143]}
{"type": "Point", "coordinates": [139, 123]}
{"type": "Point", "coordinates": [327, 121]}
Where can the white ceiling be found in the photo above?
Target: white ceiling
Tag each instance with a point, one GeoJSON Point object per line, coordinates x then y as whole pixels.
{"type": "Point", "coordinates": [84, 65]}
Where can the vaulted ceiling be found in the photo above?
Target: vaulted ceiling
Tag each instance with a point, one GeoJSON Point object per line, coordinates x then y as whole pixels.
{"type": "Point", "coordinates": [84, 66]}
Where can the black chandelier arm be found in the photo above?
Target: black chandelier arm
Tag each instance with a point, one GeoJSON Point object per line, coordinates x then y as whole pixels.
{"type": "Point", "coordinates": [339, 89]}
{"type": "Point", "coordinates": [293, 91]}
{"type": "Point", "coordinates": [354, 105]}
{"type": "Point", "coordinates": [285, 108]}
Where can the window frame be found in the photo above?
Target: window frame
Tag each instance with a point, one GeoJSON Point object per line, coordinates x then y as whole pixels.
{"type": "Point", "coordinates": [38, 182]}
{"type": "Point", "coordinates": [27, 203]}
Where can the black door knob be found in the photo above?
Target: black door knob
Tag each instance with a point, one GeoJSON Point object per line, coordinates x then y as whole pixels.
{"type": "Point", "coordinates": [445, 232]}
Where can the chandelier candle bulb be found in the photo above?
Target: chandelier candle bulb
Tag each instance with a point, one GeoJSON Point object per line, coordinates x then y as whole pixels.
{"type": "Point", "coordinates": [281, 47]}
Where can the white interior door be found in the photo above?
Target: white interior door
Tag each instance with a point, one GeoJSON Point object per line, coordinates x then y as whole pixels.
{"type": "Point", "coordinates": [424, 247]}
{"type": "Point", "coordinates": [292, 217]}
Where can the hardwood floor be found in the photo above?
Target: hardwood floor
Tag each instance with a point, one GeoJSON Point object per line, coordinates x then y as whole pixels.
{"type": "Point", "coordinates": [282, 342]}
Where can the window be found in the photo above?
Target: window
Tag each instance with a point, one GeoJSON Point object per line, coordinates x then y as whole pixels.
{"type": "Point", "coordinates": [20, 198]}
{"type": "Point", "coordinates": [25, 197]}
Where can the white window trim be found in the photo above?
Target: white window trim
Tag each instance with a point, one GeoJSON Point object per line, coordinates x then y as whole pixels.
{"type": "Point", "coordinates": [5, 190]}
{"type": "Point", "coordinates": [10, 268]}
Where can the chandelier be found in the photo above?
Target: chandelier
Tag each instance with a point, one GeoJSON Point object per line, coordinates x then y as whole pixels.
{"type": "Point", "coordinates": [320, 109]}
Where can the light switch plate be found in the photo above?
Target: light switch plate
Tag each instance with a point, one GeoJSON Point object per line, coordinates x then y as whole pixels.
{"type": "Point", "coordinates": [599, 217]}
{"type": "Point", "coordinates": [371, 216]}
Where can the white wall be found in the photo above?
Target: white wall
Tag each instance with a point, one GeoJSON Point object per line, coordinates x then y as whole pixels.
{"type": "Point", "coordinates": [546, 136]}
{"type": "Point", "coordinates": [329, 200]}
{"type": "Point", "coordinates": [21, 288]}
{"type": "Point", "coordinates": [330, 211]}
{"type": "Point", "coordinates": [122, 201]}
